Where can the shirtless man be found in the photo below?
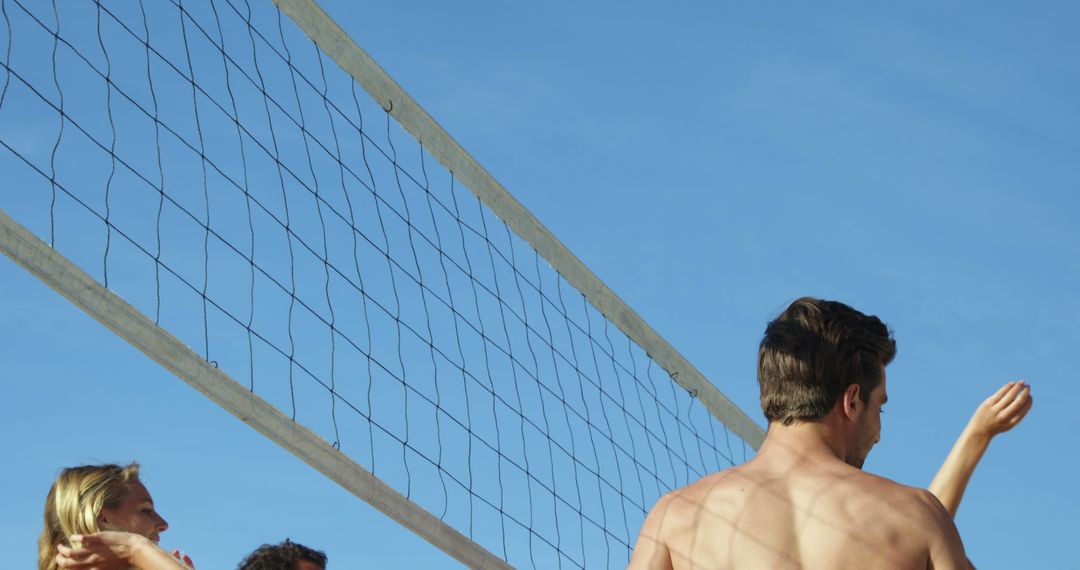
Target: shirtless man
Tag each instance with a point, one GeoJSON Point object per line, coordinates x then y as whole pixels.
{"type": "Point", "coordinates": [803, 501]}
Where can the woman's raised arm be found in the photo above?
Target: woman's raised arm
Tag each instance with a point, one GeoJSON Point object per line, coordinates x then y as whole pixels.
{"type": "Point", "coordinates": [997, 414]}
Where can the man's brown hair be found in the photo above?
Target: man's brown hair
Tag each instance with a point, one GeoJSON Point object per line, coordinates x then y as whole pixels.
{"type": "Point", "coordinates": [812, 352]}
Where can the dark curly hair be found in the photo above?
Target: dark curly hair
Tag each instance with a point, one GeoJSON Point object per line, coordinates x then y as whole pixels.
{"type": "Point", "coordinates": [282, 556]}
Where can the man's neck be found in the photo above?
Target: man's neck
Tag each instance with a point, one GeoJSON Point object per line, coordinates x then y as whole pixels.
{"type": "Point", "coordinates": [803, 442]}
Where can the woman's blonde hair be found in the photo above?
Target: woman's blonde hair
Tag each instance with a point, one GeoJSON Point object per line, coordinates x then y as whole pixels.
{"type": "Point", "coordinates": [75, 501]}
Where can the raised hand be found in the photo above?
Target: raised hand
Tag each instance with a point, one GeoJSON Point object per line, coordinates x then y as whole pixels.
{"type": "Point", "coordinates": [1003, 410]}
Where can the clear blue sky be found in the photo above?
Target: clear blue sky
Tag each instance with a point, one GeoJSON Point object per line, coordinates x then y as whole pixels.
{"type": "Point", "coordinates": [710, 164]}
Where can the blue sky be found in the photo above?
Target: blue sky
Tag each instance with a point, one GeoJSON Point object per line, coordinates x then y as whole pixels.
{"type": "Point", "coordinates": [710, 164]}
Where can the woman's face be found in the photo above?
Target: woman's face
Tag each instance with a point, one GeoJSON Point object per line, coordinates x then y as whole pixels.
{"type": "Point", "coordinates": [135, 513]}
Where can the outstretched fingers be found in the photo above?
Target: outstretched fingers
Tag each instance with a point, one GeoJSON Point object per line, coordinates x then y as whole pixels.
{"type": "Point", "coordinates": [1016, 395]}
{"type": "Point", "coordinates": [1003, 410]}
{"type": "Point", "coordinates": [1012, 407]}
{"type": "Point", "coordinates": [1019, 406]}
{"type": "Point", "coordinates": [998, 397]}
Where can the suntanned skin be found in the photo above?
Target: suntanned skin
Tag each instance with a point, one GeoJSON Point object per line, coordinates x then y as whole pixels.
{"type": "Point", "coordinates": [803, 502]}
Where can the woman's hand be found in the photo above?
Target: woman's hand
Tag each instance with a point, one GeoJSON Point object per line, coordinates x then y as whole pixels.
{"type": "Point", "coordinates": [100, 551]}
{"type": "Point", "coordinates": [1002, 411]}
{"type": "Point", "coordinates": [112, 550]}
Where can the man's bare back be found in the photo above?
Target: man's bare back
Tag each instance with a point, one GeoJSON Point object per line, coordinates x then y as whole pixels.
{"type": "Point", "coordinates": [797, 514]}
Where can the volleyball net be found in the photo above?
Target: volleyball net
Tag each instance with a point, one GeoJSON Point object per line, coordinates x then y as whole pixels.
{"type": "Point", "coordinates": [239, 191]}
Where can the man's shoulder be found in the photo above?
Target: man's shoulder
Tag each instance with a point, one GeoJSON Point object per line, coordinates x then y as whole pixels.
{"type": "Point", "coordinates": [883, 486]}
{"type": "Point", "coordinates": [895, 490]}
{"type": "Point", "coordinates": [691, 496]}
{"type": "Point", "coordinates": [703, 485]}
{"type": "Point", "coordinates": [677, 512]}
{"type": "Point", "coordinates": [915, 503]}
{"type": "Point", "coordinates": [918, 514]}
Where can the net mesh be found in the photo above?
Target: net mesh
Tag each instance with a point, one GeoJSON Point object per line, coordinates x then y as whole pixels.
{"type": "Point", "coordinates": [206, 162]}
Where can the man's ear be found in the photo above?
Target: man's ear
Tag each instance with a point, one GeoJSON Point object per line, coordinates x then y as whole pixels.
{"type": "Point", "coordinates": [852, 402]}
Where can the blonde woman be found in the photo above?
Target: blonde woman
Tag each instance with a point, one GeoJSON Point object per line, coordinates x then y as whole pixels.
{"type": "Point", "coordinates": [100, 517]}
{"type": "Point", "coordinates": [996, 415]}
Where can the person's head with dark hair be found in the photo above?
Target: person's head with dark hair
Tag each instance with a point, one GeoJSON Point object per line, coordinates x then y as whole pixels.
{"type": "Point", "coordinates": [823, 363]}
{"type": "Point", "coordinates": [287, 555]}
{"type": "Point", "coordinates": [813, 352]}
